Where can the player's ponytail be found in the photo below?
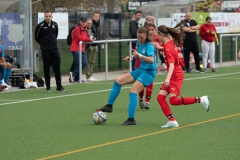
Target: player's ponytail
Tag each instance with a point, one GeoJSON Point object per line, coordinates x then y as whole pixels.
{"type": "Point", "coordinates": [176, 34]}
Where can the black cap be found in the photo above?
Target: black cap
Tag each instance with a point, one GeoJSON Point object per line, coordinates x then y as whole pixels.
{"type": "Point", "coordinates": [83, 19]}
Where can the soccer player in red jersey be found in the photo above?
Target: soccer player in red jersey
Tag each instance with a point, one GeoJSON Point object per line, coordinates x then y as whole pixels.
{"type": "Point", "coordinates": [173, 82]}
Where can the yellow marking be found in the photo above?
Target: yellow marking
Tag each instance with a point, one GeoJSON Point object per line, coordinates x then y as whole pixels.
{"type": "Point", "coordinates": [136, 137]}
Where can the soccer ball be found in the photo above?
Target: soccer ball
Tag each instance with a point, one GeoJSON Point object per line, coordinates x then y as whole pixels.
{"type": "Point", "coordinates": [99, 118]}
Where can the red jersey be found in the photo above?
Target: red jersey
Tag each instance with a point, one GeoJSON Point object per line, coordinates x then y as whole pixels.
{"type": "Point", "coordinates": [78, 36]}
{"type": "Point", "coordinates": [209, 37]}
{"type": "Point", "coordinates": [171, 56]}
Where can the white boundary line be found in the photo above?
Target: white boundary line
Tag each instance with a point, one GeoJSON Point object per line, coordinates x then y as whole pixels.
{"type": "Point", "coordinates": [84, 93]}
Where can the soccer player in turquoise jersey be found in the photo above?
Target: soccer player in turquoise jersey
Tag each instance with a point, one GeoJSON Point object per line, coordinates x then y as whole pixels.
{"type": "Point", "coordinates": [142, 77]}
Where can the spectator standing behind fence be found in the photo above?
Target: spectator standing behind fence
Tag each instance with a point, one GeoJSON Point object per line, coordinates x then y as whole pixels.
{"type": "Point", "coordinates": [78, 34]}
{"type": "Point", "coordinates": [46, 34]}
{"type": "Point", "coordinates": [93, 29]}
{"type": "Point", "coordinates": [189, 26]}
{"type": "Point", "coordinates": [207, 32]}
{"type": "Point", "coordinates": [6, 68]}
{"type": "Point", "coordinates": [133, 27]}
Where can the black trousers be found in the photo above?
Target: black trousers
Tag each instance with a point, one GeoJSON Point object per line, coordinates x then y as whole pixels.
{"type": "Point", "coordinates": [52, 58]}
{"type": "Point", "coordinates": [188, 47]}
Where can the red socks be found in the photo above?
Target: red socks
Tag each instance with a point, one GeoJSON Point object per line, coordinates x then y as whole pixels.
{"type": "Point", "coordinates": [165, 107]}
{"type": "Point", "coordinates": [149, 92]}
{"type": "Point", "coordinates": [176, 101]}
{"type": "Point", "coordinates": [141, 94]}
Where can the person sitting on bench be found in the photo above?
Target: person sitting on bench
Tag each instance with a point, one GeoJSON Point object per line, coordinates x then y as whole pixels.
{"type": "Point", "coordinates": [6, 67]}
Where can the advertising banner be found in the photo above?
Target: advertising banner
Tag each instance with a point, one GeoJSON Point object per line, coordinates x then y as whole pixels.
{"type": "Point", "coordinates": [224, 22]}
{"type": "Point", "coordinates": [11, 31]}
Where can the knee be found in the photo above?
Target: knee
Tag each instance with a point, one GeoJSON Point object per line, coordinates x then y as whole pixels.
{"type": "Point", "coordinates": [9, 65]}
{"type": "Point", "coordinates": [161, 98]}
{"type": "Point", "coordinates": [173, 101]}
{"type": "Point", "coordinates": [118, 80]}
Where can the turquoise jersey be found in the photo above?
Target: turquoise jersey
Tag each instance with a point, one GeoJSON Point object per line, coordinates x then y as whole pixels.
{"type": "Point", "coordinates": [147, 50]}
{"type": "Point", "coordinates": [1, 51]}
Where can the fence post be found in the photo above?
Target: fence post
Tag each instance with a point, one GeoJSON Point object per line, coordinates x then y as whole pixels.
{"type": "Point", "coordinates": [130, 53]}
{"type": "Point", "coordinates": [80, 62]}
{"type": "Point", "coordinates": [220, 50]}
{"type": "Point", "coordinates": [120, 37]}
{"type": "Point", "coordinates": [106, 60]}
{"type": "Point", "coordinates": [236, 49]}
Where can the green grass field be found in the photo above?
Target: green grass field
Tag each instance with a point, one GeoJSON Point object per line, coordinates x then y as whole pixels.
{"type": "Point", "coordinates": [37, 125]}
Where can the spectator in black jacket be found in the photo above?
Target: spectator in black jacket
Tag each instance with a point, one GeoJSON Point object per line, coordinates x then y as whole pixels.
{"type": "Point", "coordinates": [133, 27]}
{"type": "Point", "coordinates": [46, 34]}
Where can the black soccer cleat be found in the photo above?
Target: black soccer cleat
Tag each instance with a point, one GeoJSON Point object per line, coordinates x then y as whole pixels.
{"type": "Point", "coordinates": [107, 108]}
{"type": "Point", "coordinates": [129, 122]}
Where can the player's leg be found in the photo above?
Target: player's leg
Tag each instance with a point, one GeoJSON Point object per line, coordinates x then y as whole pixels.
{"type": "Point", "coordinates": [149, 90]}
{"type": "Point", "coordinates": [141, 93]}
{"type": "Point", "coordinates": [7, 74]}
{"type": "Point", "coordinates": [122, 80]}
{"type": "Point", "coordinates": [174, 100]}
{"type": "Point", "coordinates": [145, 79]}
{"type": "Point", "coordinates": [161, 98]}
{"type": "Point", "coordinates": [135, 89]}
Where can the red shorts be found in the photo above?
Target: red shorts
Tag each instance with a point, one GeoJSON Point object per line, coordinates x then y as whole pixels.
{"type": "Point", "coordinates": [174, 87]}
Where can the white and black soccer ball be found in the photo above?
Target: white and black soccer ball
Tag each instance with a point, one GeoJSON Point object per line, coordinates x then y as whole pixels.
{"type": "Point", "coordinates": [99, 118]}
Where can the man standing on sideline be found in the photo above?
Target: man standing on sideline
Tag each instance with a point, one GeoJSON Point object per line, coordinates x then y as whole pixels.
{"type": "Point", "coordinates": [189, 26]}
{"type": "Point", "coordinates": [133, 27]}
{"type": "Point", "coordinates": [46, 34]}
{"type": "Point", "coordinates": [93, 28]}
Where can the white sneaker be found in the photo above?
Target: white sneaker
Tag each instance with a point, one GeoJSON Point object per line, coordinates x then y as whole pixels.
{"type": "Point", "coordinates": [205, 102]}
{"type": "Point", "coordinates": [91, 79]}
{"type": "Point", "coordinates": [171, 124]}
{"type": "Point", "coordinates": [5, 84]}
{"type": "Point", "coordinates": [6, 89]}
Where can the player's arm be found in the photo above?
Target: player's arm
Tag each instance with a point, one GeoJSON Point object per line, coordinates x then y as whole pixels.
{"type": "Point", "coordinates": [149, 59]}
{"type": "Point", "coordinates": [169, 75]}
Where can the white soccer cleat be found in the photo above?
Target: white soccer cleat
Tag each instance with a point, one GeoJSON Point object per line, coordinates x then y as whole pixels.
{"type": "Point", "coordinates": [205, 102]}
{"type": "Point", "coordinates": [171, 124]}
{"type": "Point", "coordinates": [5, 84]}
{"type": "Point", "coordinates": [91, 79]}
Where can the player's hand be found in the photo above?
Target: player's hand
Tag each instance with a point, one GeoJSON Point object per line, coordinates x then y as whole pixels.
{"type": "Point", "coordinates": [167, 82]}
{"type": "Point", "coordinates": [126, 58]}
{"type": "Point", "coordinates": [135, 53]}
{"type": "Point", "coordinates": [156, 45]}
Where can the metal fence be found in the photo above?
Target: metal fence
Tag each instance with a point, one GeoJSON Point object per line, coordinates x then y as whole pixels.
{"type": "Point", "coordinates": [234, 47]}
{"type": "Point", "coordinates": [106, 47]}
